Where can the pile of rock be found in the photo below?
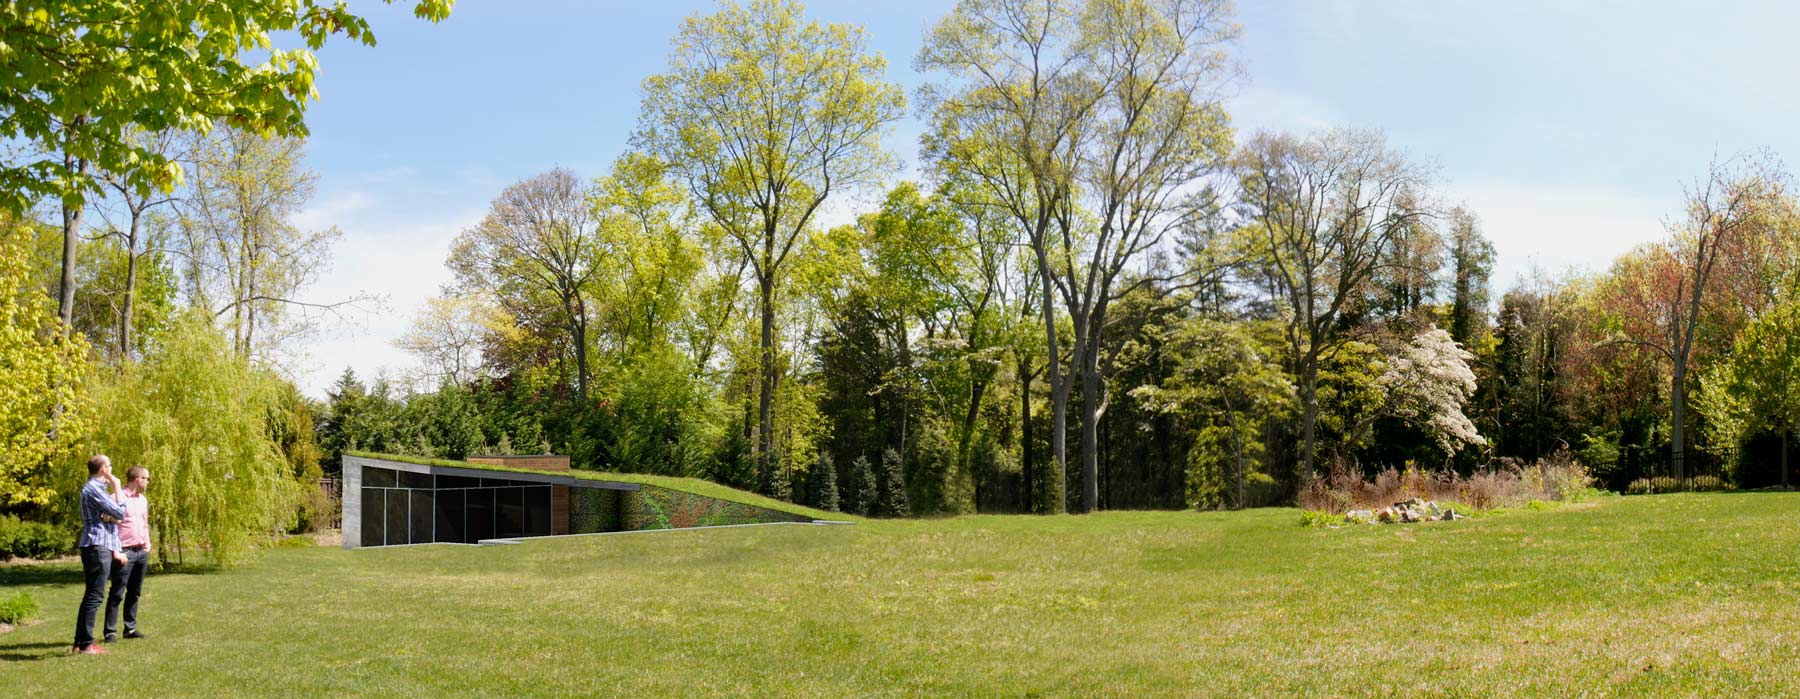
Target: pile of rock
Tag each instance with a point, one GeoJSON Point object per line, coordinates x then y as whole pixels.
{"type": "Point", "coordinates": [1414, 510]}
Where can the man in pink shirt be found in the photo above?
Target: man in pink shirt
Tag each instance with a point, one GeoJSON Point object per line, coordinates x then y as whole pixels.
{"type": "Point", "coordinates": [134, 543]}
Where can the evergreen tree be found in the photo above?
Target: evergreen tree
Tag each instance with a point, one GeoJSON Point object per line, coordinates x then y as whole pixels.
{"type": "Point", "coordinates": [772, 479]}
{"type": "Point", "coordinates": [1472, 264]}
{"type": "Point", "coordinates": [859, 487]}
{"type": "Point", "coordinates": [890, 487]}
{"type": "Point", "coordinates": [1498, 396]}
{"type": "Point", "coordinates": [821, 484]}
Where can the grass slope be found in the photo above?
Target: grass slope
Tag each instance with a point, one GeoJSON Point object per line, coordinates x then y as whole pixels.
{"type": "Point", "coordinates": [697, 486]}
{"type": "Point", "coordinates": [1655, 596]}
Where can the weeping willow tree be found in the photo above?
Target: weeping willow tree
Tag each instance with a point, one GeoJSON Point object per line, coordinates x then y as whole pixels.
{"type": "Point", "coordinates": [196, 414]}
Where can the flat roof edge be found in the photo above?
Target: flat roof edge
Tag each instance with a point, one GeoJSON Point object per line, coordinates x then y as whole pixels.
{"type": "Point", "coordinates": [496, 474]}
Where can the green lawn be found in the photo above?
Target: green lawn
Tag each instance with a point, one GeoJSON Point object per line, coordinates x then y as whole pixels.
{"type": "Point", "coordinates": [1646, 596]}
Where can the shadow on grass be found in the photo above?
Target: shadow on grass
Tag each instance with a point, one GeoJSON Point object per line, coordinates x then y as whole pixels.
{"type": "Point", "coordinates": [69, 573]}
{"type": "Point", "coordinates": [45, 574]}
{"type": "Point", "coordinates": [20, 652]}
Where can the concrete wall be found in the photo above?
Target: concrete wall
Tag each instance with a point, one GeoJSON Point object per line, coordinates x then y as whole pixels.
{"type": "Point", "coordinates": [350, 494]}
{"type": "Point", "coordinates": [350, 525]}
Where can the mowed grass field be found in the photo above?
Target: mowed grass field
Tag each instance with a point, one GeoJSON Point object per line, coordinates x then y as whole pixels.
{"type": "Point", "coordinates": [1659, 596]}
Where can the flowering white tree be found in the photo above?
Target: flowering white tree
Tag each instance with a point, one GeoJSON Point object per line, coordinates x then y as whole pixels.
{"type": "Point", "coordinates": [1428, 382]}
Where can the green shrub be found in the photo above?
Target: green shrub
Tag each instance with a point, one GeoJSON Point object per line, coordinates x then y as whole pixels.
{"type": "Point", "coordinates": [20, 539]}
{"type": "Point", "coordinates": [1315, 518]}
{"type": "Point", "coordinates": [17, 608]}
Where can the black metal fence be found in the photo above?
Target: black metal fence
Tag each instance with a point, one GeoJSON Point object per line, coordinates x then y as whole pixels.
{"type": "Point", "coordinates": [1657, 472]}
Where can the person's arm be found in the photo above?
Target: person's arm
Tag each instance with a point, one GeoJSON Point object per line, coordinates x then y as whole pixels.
{"type": "Point", "coordinates": [106, 506]}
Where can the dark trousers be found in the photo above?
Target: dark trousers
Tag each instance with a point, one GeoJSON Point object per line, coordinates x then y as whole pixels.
{"type": "Point", "coordinates": [128, 583]}
{"type": "Point", "coordinates": [96, 567]}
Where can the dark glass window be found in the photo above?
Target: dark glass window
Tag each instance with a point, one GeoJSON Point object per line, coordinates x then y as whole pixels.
{"type": "Point", "coordinates": [480, 520]}
{"type": "Point", "coordinates": [397, 519]}
{"type": "Point", "coordinates": [450, 514]}
{"type": "Point", "coordinates": [510, 507]}
{"type": "Point", "coordinates": [422, 517]}
{"type": "Point", "coordinates": [378, 477]}
{"type": "Point", "coordinates": [373, 517]}
{"type": "Point", "coordinates": [537, 511]}
{"type": "Point", "coordinates": [446, 482]}
{"type": "Point", "coordinates": [408, 479]}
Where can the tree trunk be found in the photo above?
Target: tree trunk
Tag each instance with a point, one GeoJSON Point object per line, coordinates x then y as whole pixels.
{"type": "Point", "coordinates": [578, 328]}
{"type": "Point", "coordinates": [65, 293]}
{"type": "Point", "coordinates": [1090, 427]}
{"type": "Point", "coordinates": [765, 440]}
{"type": "Point", "coordinates": [1309, 418]}
{"type": "Point", "coordinates": [1237, 448]}
{"type": "Point", "coordinates": [1029, 501]}
{"type": "Point", "coordinates": [240, 290]}
{"type": "Point", "coordinates": [1059, 396]}
{"type": "Point", "coordinates": [131, 259]}
{"type": "Point", "coordinates": [977, 390]}
{"type": "Point", "coordinates": [1677, 437]}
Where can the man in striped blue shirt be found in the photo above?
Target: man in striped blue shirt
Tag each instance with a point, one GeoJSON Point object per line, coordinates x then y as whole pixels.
{"type": "Point", "coordinates": [99, 544]}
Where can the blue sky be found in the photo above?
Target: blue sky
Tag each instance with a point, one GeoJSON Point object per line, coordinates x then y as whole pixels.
{"type": "Point", "coordinates": [1571, 128]}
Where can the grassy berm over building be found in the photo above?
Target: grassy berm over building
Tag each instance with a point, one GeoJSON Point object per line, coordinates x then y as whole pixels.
{"type": "Point", "coordinates": [1653, 596]}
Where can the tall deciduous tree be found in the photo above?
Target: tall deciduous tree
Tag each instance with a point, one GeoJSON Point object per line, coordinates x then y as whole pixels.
{"type": "Point", "coordinates": [1159, 130]}
{"type": "Point", "coordinates": [1012, 123]}
{"type": "Point", "coordinates": [644, 290]}
{"type": "Point", "coordinates": [246, 258]}
{"type": "Point", "coordinates": [1095, 123]}
{"type": "Point", "coordinates": [80, 76]}
{"type": "Point", "coordinates": [1325, 211]}
{"type": "Point", "coordinates": [136, 208]}
{"type": "Point", "coordinates": [1683, 282]}
{"type": "Point", "coordinates": [766, 116]}
{"type": "Point", "coordinates": [538, 239]}
{"type": "Point", "coordinates": [447, 336]}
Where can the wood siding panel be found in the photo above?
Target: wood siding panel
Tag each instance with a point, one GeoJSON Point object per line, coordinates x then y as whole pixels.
{"type": "Point", "coordinates": [548, 462]}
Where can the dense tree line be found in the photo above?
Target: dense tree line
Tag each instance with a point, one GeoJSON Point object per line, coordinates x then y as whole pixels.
{"type": "Point", "coordinates": [1098, 294]}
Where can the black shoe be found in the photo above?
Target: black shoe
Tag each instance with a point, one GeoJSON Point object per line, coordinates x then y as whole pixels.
{"type": "Point", "coordinates": [113, 637]}
{"type": "Point", "coordinates": [134, 633]}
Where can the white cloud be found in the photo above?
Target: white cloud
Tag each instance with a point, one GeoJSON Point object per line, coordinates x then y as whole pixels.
{"type": "Point", "coordinates": [400, 263]}
{"type": "Point", "coordinates": [1561, 228]}
{"type": "Point", "coordinates": [333, 209]}
{"type": "Point", "coordinates": [1263, 107]}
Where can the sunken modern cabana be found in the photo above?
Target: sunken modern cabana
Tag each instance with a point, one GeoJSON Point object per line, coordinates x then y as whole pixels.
{"type": "Point", "coordinates": [490, 499]}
